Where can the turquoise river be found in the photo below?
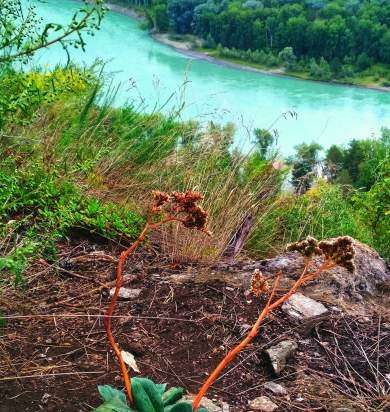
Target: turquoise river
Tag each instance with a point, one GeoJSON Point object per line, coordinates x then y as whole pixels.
{"type": "Point", "coordinates": [149, 73]}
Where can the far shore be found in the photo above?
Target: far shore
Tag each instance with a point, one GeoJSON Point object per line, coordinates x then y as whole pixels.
{"type": "Point", "coordinates": [185, 48]}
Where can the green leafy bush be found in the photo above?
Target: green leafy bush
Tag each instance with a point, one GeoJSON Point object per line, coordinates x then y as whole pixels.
{"type": "Point", "coordinates": [21, 94]}
{"type": "Point", "coordinates": [323, 212]}
{"type": "Point", "coordinates": [39, 209]}
{"type": "Point", "coordinates": [374, 210]}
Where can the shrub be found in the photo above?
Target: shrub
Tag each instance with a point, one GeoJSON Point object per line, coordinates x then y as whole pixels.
{"type": "Point", "coordinates": [373, 208]}
{"type": "Point", "coordinates": [321, 212]}
{"type": "Point", "coordinates": [40, 209]}
{"type": "Point", "coordinates": [288, 58]}
{"type": "Point", "coordinates": [21, 94]}
{"type": "Point", "coordinates": [363, 62]}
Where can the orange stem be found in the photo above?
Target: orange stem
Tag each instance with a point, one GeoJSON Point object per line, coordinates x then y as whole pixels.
{"type": "Point", "coordinates": [328, 264]}
{"type": "Point", "coordinates": [119, 279]}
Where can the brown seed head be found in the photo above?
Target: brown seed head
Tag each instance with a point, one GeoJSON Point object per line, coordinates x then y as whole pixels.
{"type": "Point", "coordinates": [182, 203]}
{"type": "Point", "coordinates": [259, 283]}
{"type": "Point", "coordinates": [307, 247]}
{"type": "Point", "coordinates": [159, 200]}
{"type": "Point", "coordinates": [340, 250]}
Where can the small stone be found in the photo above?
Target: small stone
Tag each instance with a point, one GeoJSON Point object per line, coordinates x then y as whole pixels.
{"type": "Point", "coordinates": [45, 398]}
{"type": "Point", "coordinates": [206, 403]}
{"type": "Point", "coordinates": [126, 293]}
{"type": "Point", "coordinates": [344, 410]}
{"type": "Point", "coordinates": [279, 354]}
{"type": "Point", "coordinates": [262, 403]}
{"type": "Point", "coordinates": [275, 388]}
{"type": "Point", "coordinates": [244, 328]}
{"type": "Point", "coordinates": [300, 307]}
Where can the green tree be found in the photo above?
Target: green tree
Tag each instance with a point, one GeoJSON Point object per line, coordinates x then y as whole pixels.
{"type": "Point", "coordinates": [334, 161]}
{"type": "Point", "coordinates": [288, 58]}
{"type": "Point", "coordinates": [304, 165]}
{"type": "Point", "coordinates": [264, 141]}
{"type": "Point", "coordinates": [21, 34]}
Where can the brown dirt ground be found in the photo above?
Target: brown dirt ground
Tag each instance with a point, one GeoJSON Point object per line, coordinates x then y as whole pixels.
{"type": "Point", "coordinates": [53, 358]}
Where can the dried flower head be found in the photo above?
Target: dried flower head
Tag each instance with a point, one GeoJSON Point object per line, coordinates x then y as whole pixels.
{"type": "Point", "coordinates": [259, 283]}
{"type": "Point", "coordinates": [187, 198]}
{"type": "Point", "coordinates": [195, 216]}
{"type": "Point", "coordinates": [307, 247]}
{"type": "Point", "coordinates": [159, 200]}
{"type": "Point", "coordinates": [340, 250]}
{"type": "Point", "coordinates": [182, 203]}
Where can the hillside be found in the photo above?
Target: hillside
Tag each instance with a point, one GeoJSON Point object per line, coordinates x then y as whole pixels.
{"type": "Point", "coordinates": [149, 257]}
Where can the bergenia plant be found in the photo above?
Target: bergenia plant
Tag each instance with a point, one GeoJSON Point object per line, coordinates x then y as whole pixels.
{"type": "Point", "coordinates": [147, 397]}
{"type": "Point", "coordinates": [142, 394]}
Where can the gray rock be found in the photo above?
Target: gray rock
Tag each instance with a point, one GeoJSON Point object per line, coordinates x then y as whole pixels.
{"type": "Point", "coordinates": [208, 404]}
{"type": "Point", "coordinates": [275, 388]}
{"type": "Point", "coordinates": [126, 293]}
{"type": "Point", "coordinates": [301, 308]}
{"type": "Point", "coordinates": [262, 403]}
{"type": "Point", "coordinates": [372, 273]}
{"type": "Point", "coordinates": [279, 354]}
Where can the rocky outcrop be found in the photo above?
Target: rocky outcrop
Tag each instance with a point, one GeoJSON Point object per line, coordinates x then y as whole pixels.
{"type": "Point", "coordinates": [371, 275]}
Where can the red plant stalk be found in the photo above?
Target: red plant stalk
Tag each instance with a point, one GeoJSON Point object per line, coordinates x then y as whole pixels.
{"type": "Point", "coordinates": [269, 307]}
{"type": "Point", "coordinates": [119, 278]}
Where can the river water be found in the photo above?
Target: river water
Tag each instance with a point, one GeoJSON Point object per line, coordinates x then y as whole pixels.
{"type": "Point", "coordinates": [150, 72]}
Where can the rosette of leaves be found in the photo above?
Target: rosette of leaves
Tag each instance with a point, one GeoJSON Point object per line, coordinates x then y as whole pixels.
{"type": "Point", "coordinates": [148, 397]}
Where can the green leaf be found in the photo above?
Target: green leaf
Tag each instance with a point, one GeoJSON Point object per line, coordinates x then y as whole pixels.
{"type": "Point", "coordinates": [172, 395]}
{"type": "Point", "coordinates": [179, 407]}
{"type": "Point", "coordinates": [107, 392]}
{"type": "Point", "coordinates": [182, 407]}
{"type": "Point", "coordinates": [161, 387]}
{"type": "Point", "coordinates": [114, 405]}
{"type": "Point", "coordinates": [141, 397]}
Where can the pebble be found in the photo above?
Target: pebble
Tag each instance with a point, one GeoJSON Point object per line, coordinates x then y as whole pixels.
{"type": "Point", "coordinates": [275, 388]}
{"type": "Point", "coordinates": [262, 403]}
{"type": "Point", "coordinates": [126, 293]}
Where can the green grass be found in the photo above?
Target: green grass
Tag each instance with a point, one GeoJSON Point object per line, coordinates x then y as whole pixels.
{"type": "Point", "coordinates": [323, 212]}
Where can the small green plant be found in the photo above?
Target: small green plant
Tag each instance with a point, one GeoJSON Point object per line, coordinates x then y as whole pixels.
{"type": "Point", "coordinates": [175, 207]}
{"type": "Point", "coordinates": [22, 94]}
{"type": "Point", "coordinates": [147, 396]}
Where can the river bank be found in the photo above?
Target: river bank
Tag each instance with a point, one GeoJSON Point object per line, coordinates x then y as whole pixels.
{"type": "Point", "coordinates": [186, 48]}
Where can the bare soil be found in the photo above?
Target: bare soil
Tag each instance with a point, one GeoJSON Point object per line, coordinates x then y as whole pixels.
{"type": "Point", "coordinates": [54, 351]}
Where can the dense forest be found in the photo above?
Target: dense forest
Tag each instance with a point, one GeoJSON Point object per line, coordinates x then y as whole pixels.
{"type": "Point", "coordinates": [327, 38]}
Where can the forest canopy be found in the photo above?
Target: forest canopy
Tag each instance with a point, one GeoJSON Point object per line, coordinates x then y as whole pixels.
{"type": "Point", "coordinates": [340, 32]}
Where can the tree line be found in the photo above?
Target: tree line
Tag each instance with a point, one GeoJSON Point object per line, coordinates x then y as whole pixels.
{"type": "Point", "coordinates": [338, 33]}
